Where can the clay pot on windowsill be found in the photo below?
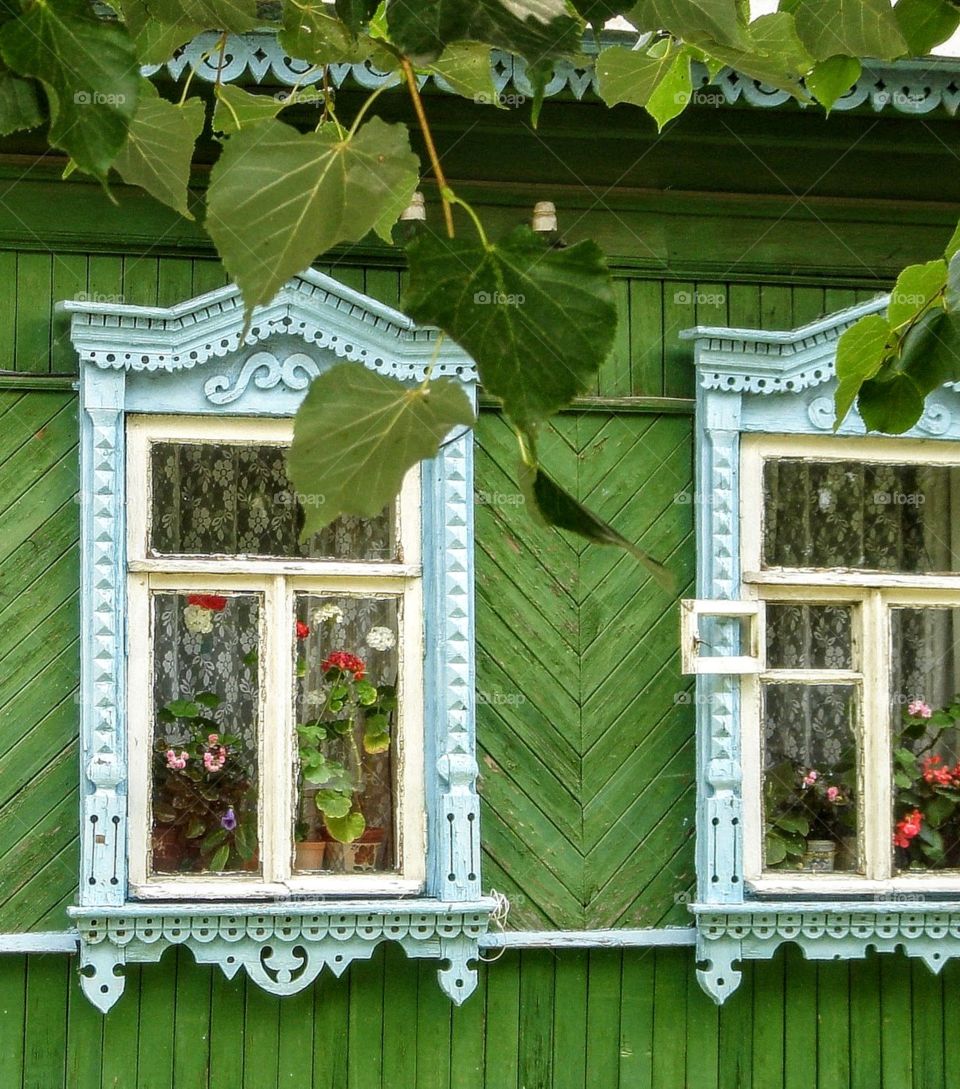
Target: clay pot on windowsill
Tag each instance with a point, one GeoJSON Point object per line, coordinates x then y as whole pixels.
{"type": "Point", "coordinates": [309, 854]}
{"type": "Point", "coordinates": [363, 855]}
{"type": "Point", "coordinates": [819, 857]}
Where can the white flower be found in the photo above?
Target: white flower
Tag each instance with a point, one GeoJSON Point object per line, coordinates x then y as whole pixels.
{"type": "Point", "coordinates": [331, 613]}
{"type": "Point", "coordinates": [198, 619]}
{"type": "Point", "coordinates": [381, 638]}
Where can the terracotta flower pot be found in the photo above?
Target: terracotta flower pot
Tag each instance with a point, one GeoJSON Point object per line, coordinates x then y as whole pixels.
{"type": "Point", "coordinates": [363, 855]}
{"type": "Point", "coordinates": [310, 854]}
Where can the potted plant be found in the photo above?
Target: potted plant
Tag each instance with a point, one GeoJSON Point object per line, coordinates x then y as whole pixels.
{"type": "Point", "coordinates": [809, 817]}
{"type": "Point", "coordinates": [927, 789]}
{"type": "Point", "coordinates": [352, 723]}
{"type": "Point", "coordinates": [202, 812]}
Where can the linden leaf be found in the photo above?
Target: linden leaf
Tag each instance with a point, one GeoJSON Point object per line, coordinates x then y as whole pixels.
{"type": "Point", "coordinates": [237, 108]}
{"type": "Point", "coordinates": [279, 198]}
{"type": "Point", "coordinates": [467, 69]}
{"type": "Point", "coordinates": [236, 16]}
{"type": "Point", "coordinates": [89, 69]}
{"type": "Point", "coordinates": [19, 103]}
{"type": "Point", "coordinates": [631, 75]}
{"type": "Point", "coordinates": [357, 433]}
{"type": "Point", "coordinates": [830, 79]}
{"type": "Point", "coordinates": [860, 354]}
{"type": "Point", "coordinates": [537, 321]}
{"type": "Point", "coordinates": [538, 30]}
{"type": "Point", "coordinates": [916, 286]}
{"type": "Point", "coordinates": [154, 40]}
{"type": "Point", "coordinates": [854, 28]}
{"type": "Point", "coordinates": [693, 21]}
{"type": "Point", "coordinates": [159, 149]}
{"type": "Point", "coordinates": [926, 24]}
{"type": "Point", "coordinates": [891, 404]}
{"type": "Point", "coordinates": [311, 32]}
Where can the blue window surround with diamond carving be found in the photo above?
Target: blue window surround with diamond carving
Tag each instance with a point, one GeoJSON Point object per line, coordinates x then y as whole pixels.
{"type": "Point", "coordinates": [190, 359]}
{"type": "Point", "coordinates": [749, 381]}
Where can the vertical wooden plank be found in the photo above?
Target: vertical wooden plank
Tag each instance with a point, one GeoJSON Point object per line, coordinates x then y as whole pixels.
{"type": "Point", "coordinates": [503, 1019]}
{"type": "Point", "coordinates": [865, 1070]}
{"type": "Point", "coordinates": [13, 989]}
{"type": "Point", "coordinates": [365, 1042]}
{"type": "Point", "coordinates": [776, 306]}
{"type": "Point", "coordinates": [208, 275]}
{"type": "Point", "coordinates": [703, 1035]}
{"type": "Point", "coordinates": [158, 1000]}
{"type": "Point", "coordinates": [433, 1030]}
{"type": "Point", "coordinates": [800, 1028]}
{"type": "Point", "coordinates": [833, 1035]}
{"type": "Point", "coordinates": [603, 1017]}
{"type": "Point", "coordinates": [295, 1048]}
{"type": "Point", "coordinates": [928, 1027]}
{"type": "Point", "coordinates": [808, 305]}
{"type": "Point", "coordinates": [105, 278]}
{"type": "Point", "coordinates": [191, 1037]}
{"type": "Point", "coordinates": [140, 281]}
{"type": "Point", "coordinates": [536, 1019]}
{"type": "Point", "coordinates": [838, 298]}
{"type": "Point", "coordinates": [573, 969]}
{"type": "Point", "coordinates": [768, 1022]}
{"type": "Point", "coordinates": [613, 378]}
{"type": "Point", "coordinates": [679, 313]}
{"type": "Point", "coordinates": [34, 288]}
{"type": "Point", "coordinates": [69, 282]}
{"type": "Point", "coordinates": [636, 1018]}
{"type": "Point", "coordinates": [896, 1037]}
{"type": "Point", "coordinates": [350, 275]}
{"type": "Point", "coordinates": [670, 1018]}
{"type": "Point", "coordinates": [45, 1023]}
{"type": "Point", "coordinates": [8, 309]}
{"type": "Point", "coordinates": [646, 338]}
{"type": "Point", "coordinates": [174, 280]}
{"type": "Point", "coordinates": [743, 307]}
{"type": "Point", "coordinates": [399, 1027]}
{"type": "Point", "coordinates": [120, 1035]}
{"type": "Point", "coordinates": [467, 1042]}
{"type": "Point", "coordinates": [383, 284]}
{"type": "Point", "coordinates": [261, 1031]}
{"type": "Point", "coordinates": [84, 1037]}
{"type": "Point", "coordinates": [951, 1016]}
{"type": "Point", "coordinates": [226, 1015]}
{"type": "Point", "coordinates": [331, 1004]}
{"type": "Point", "coordinates": [736, 1029]}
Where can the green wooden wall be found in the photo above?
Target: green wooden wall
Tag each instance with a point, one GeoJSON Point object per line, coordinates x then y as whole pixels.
{"type": "Point", "coordinates": [578, 1020]}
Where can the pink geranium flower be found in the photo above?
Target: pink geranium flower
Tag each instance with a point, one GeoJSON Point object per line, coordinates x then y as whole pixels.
{"type": "Point", "coordinates": [919, 709]}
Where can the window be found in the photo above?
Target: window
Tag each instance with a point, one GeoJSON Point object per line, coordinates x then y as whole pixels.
{"type": "Point", "coordinates": [850, 729]}
{"type": "Point", "coordinates": [274, 686]}
{"type": "Point", "coordinates": [825, 646]}
{"type": "Point", "coordinates": [278, 761]}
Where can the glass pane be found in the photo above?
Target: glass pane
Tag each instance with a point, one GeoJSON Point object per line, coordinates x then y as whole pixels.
{"type": "Point", "coordinates": [809, 637]}
{"type": "Point", "coordinates": [206, 721]}
{"type": "Point", "coordinates": [925, 668]}
{"type": "Point", "coordinates": [868, 516]}
{"type": "Point", "coordinates": [222, 499]}
{"type": "Point", "coordinates": [346, 710]}
{"type": "Point", "coordinates": [810, 778]}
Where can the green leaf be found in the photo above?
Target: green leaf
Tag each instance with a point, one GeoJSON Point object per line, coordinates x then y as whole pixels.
{"type": "Point", "coordinates": [672, 94]}
{"type": "Point", "coordinates": [855, 28]}
{"type": "Point", "coordinates": [915, 287]}
{"type": "Point", "coordinates": [598, 12]}
{"type": "Point", "coordinates": [237, 16]}
{"type": "Point", "coordinates": [925, 24]}
{"type": "Point", "coordinates": [195, 828]}
{"type": "Point", "coordinates": [693, 21]}
{"type": "Point", "coordinates": [89, 69]}
{"type": "Point", "coordinates": [376, 742]}
{"type": "Point", "coordinates": [237, 108]}
{"type": "Point", "coordinates": [832, 78]}
{"type": "Point", "coordinates": [333, 803]}
{"type": "Point", "coordinates": [183, 708]}
{"type": "Point", "coordinates": [468, 68]}
{"type": "Point", "coordinates": [538, 322]}
{"type": "Point", "coordinates": [312, 33]}
{"type": "Point", "coordinates": [860, 353]}
{"type": "Point", "coordinates": [277, 198]}
{"type": "Point", "coordinates": [930, 353]}
{"type": "Point", "coordinates": [953, 246]}
{"type": "Point", "coordinates": [159, 149]}
{"type": "Point", "coordinates": [555, 507]}
{"type": "Point", "coordinates": [357, 433]}
{"type": "Point", "coordinates": [951, 297]}
{"type": "Point", "coordinates": [355, 13]}
{"type": "Point", "coordinates": [775, 850]}
{"type": "Point", "coordinates": [208, 699]}
{"type": "Point", "coordinates": [775, 57]}
{"type": "Point", "coordinates": [19, 103]}
{"type": "Point", "coordinates": [631, 75]}
{"type": "Point", "coordinates": [538, 30]}
{"type": "Point", "coordinates": [891, 405]}
{"type": "Point", "coordinates": [214, 839]}
{"type": "Point", "coordinates": [793, 823]}
{"type": "Point", "coordinates": [938, 809]}
{"type": "Point", "coordinates": [219, 860]}
{"type": "Point", "coordinates": [154, 40]}
{"type": "Point", "coordinates": [346, 829]}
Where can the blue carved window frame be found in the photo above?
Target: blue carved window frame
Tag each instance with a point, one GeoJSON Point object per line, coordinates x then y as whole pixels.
{"type": "Point", "coordinates": [193, 359]}
{"type": "Point", "coordinates": [752, 382]}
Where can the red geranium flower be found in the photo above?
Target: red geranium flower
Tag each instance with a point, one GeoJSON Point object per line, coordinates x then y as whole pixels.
{"type": "Point", "coordinates": [346, 663]}
{"type": "Point", "coordinates": [216, 603]}
{"type": "Point", "coordinates": [303, 630]}
{"type": "Point", "coordinates": [908, 828]}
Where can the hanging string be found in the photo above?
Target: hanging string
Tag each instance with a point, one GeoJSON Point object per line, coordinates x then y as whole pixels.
{"type": "Point", "coordinates": [498, 917]}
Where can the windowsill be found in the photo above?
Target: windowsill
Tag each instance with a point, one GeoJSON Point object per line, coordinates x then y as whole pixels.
{"type": "Point", "coordinates": [811, 885]}
{"type": "Point", "coordinates": [320, 889]}
{"type": "Point", "coordinates": [302, 906]}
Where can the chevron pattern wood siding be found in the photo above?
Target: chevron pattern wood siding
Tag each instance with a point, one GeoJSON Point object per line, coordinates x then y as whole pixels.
{"type": "Point", "coordinates": [539, 1020]}
{"type": "Point", "coordinates": [39, 584]}
{"type": "Point", "coordinates": [585, 725]}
